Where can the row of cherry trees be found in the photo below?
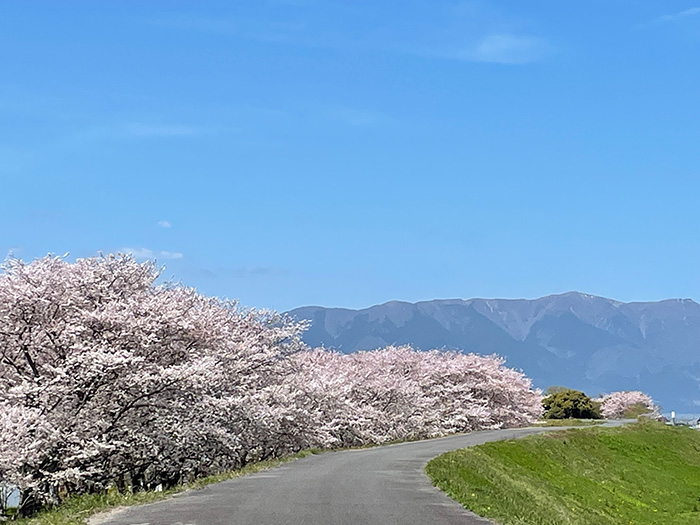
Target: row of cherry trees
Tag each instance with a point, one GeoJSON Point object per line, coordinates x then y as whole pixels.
{"type": "Point", "coordinates": [107, 378]}
{"type": "Point", "coordinates": [400, 393]}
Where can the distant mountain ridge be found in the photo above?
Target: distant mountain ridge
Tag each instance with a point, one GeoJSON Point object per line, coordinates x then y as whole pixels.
{"type": "Point", "coordinates": [574, 339]}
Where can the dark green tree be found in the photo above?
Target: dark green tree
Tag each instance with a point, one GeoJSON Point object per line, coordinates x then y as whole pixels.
{"type": "Point", "coordinates": [567, 404]}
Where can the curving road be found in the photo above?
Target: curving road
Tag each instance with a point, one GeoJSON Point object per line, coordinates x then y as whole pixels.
{"type": "Point", "coordinates": [384, 485]}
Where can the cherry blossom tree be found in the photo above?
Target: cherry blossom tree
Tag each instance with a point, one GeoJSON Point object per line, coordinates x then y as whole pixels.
{"type": "Point", "coordinates": [132, 382]}
{"type": "Point", "coordinates": [615, 405]}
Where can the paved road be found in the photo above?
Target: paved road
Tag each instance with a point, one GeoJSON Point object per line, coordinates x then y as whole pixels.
{"type": "Point", "coordinates": [382, 486]}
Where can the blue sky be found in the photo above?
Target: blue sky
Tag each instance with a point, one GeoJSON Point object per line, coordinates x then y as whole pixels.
{"type": "Point", "coordinates": [347, 153]}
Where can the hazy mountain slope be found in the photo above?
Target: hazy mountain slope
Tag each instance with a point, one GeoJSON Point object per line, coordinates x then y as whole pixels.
{"type": "Point", "coordinates": [579, 340]}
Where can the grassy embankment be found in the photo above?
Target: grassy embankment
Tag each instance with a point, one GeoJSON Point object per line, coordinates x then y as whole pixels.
{"type": "Point", "coordinates": [78, 509]}
{"type": "Point", "coordinates": [646, 473]}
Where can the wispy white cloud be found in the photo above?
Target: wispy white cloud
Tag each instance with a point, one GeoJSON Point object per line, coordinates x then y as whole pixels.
{"type": "Point", "coordinates": [128, 131]}
{"type": "Point", "coordinates": [170, 255]}
{"type": "Point", "coordinates": [470, 31]}
{"type": "Point", "coordinates": [510, 49]}
{"type": "Point", "coordinates": [255, 270]}
{"type": "Point", "coordinates": [147, 253]}
{"type": "Point", "coordinates": [671, 18]}
{"type": "Point", "coordinates": [497, 48]}
{"type": "Point", "coordinates": [164, 224]}
{"type": "Point", "coordinates": [693, 11]}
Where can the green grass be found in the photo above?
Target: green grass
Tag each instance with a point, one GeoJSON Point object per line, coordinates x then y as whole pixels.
{"type": "Point", "coordinates": [78, 509]}
{"type": "Point", "coordinates": [568, 422]}
{"type": "Point", "coordinates": [646, 473]}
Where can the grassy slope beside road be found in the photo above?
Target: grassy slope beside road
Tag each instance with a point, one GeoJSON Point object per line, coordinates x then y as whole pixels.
{"type": "Point", "coordinates": [639, 474]}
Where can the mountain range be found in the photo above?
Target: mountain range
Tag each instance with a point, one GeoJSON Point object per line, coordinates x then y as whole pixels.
{"type": "Point", "coordinates": [582, 341]}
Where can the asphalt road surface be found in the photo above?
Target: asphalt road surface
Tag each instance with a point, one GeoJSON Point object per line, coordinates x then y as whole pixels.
{"type": "Point", "coordinates": [383, 486]}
